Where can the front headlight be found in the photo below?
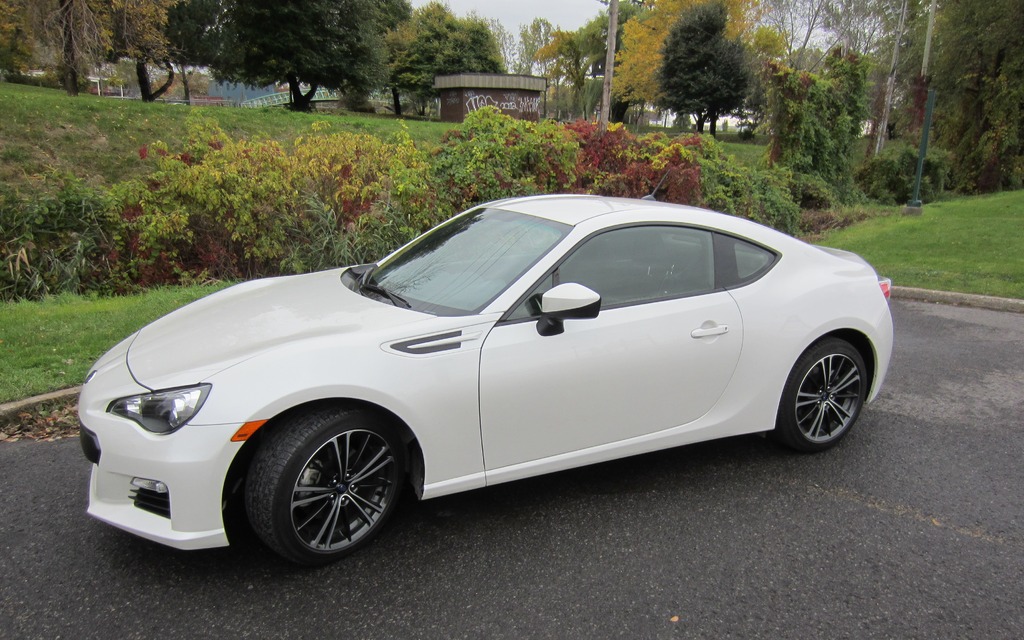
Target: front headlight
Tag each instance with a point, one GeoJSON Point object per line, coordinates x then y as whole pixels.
{"type": "Point", "coordinates": [162, 411]}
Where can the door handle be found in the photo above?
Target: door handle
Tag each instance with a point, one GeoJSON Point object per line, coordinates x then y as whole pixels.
{"type": "Point", "coordinates": [709, 329]}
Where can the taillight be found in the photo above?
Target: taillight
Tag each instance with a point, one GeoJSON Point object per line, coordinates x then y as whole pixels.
{"type": "Point", "coordinates": [886, 285]}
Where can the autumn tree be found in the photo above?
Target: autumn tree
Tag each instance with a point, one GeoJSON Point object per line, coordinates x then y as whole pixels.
{"type": "Point", "coordinates": [643, 38]}
{"type": "Point", "coordinates": [15, 37]}
{"type": "Point", "coordinates": [139, 34]}
{"type": "Point", "coordinates": [703, 73]}
{"type": "Point", "coordinates": [337, 44]}
{"type": "Point", "coordinates": [79, 31]}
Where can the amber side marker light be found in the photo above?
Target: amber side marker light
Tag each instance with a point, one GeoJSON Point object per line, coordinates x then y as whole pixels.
{"type": "Point", "coordinates": [246, 430]}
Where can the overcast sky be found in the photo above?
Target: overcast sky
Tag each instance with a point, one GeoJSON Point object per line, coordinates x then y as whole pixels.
{"type": "Point", "coordinates": [567, 14]}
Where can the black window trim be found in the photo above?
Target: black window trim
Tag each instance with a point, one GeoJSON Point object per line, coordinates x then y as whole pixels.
{"type": "Point", "coordinates": [506, 320]}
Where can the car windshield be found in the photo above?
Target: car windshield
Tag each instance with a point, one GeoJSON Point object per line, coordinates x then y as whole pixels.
{"type": "Point", "coordinates": [460, 267]}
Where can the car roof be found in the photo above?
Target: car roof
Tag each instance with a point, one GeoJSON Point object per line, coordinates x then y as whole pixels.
{"type": "Point", "coordinates": [575, 209]}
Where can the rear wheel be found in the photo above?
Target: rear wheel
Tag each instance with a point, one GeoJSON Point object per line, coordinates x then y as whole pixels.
{"type": "Point", "coordinates": [323, 484]}
{"type": "Point", "coordinates": [823, 396]}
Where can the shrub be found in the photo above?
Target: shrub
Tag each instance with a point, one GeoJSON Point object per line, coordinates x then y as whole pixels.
{"type": "Point", "coordinates": [811, 191]}
{"type": "Point", "coordinates": [242, 209]}
{"type": "Point", "coordinates": [889, 177]}
{"type": "Point", "coordinates": [54, 241]}
{"type": "Point", "coordinates": [492, 156]}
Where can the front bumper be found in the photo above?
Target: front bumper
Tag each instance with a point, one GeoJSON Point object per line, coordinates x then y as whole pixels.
{"type": "Point", "coordinates": [192, 462]}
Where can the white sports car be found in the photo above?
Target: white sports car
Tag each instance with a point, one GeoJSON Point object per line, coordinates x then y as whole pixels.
{"type": "Point", "coordinates": [521, 337]}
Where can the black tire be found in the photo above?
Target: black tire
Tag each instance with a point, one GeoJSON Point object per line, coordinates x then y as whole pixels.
{"type": "Point", "coordinates": [823, 396]}
{"type": "Point", "coordinates": [308, 505]}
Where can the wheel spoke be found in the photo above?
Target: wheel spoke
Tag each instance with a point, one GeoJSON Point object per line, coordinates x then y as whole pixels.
{"type": "Point", "coordinates": [361, 500]}
{"type": "Point", "coordinates": [850, 378]}
{"type": "Point", "coordinates": [330, 522]}
{"type": "Point", "coordinates": [811, 398]}
{"type": "Point", "coordinates": [311, 518]}
{"type": "Point", "coordinates": [301, 502]}
{"type": "Point", "coordinates": [362, 450]}
{"type": "Point", "coordinates": [819, 418]}
{"type": "Point", "coordinates": [840, 410]}
{"type": "Point", "coordinates": [366, 470]}
{"type": "Point", "coordinates": [337, 455]}
{"type": "Point", "coordinates": [365, 517]}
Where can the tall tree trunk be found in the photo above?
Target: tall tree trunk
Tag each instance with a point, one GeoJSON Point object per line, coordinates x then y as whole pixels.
{"type": "Point", "coordinates": [69, 54]}
{"type": "Point", "coordinates": [146, 87]}
{"type": "Point", "coordinates": [618, 110]}
{"type": "Point", "coordinates": [699, 118]}
{"type": "Point", "coordinates": [397, 101]}
{"type": "Point", "coordinates": [609, 66]}
{"type": "Point", "coordinates": [300, 101]}
{"type": "Point", "coordinates": [186, 90]}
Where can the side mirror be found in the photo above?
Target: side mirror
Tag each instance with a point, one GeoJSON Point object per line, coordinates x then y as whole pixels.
{"type": "Point", "coordinates": [569, 301]}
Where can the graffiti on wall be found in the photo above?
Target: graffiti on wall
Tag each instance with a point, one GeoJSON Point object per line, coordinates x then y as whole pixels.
{"type": "Point", "coordinates": [510, 103]}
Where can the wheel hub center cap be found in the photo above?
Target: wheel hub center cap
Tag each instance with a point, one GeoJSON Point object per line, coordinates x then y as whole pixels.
{"type": "Point", "coordinates": [341, 487]}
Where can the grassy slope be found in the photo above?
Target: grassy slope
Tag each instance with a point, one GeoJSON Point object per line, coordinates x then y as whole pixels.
{"type": "Point", "coordinates": [971, 245]}
{"type": "Point", "coordinates": [42, 130]}
{"type": "Point", "coordinates": [51, 344]}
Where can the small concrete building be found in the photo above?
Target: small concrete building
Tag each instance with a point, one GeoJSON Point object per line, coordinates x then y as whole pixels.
{"type": "Point", "coordinates": [516, 96]}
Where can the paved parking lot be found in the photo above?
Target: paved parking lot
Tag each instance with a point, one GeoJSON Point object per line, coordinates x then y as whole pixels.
{"type": "Point", "coordinates": [912, 528]}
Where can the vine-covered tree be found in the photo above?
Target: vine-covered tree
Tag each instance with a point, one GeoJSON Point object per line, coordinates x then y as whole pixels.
{"type": "Point", "coordinates": [703, 73]}
{"type": "Point", "coordinates": [313, 43]}
{"type": "Point", "coordinates": [978, 73]}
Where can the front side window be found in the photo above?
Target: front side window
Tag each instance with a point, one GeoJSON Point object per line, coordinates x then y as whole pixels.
{"type": "Point", "coordinates": [460, 267]}
{"type": "Point", "coordinates": [634, 265]}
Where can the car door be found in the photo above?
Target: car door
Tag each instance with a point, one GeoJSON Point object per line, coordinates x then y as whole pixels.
{"type": "Point", "coordinates": [659, 354]}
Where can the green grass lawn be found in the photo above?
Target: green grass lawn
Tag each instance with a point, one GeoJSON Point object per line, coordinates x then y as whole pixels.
{"type": "Point", "coordinates": [50, 345]}
{"type": "Point", "coordinates": [747, 154]}
{"type": "Point", "coordinates": [970, 245]}
{"type": "Point", "coordinates": [98, 139]}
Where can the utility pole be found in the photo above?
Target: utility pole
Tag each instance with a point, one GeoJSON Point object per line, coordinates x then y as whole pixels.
{"type": "Point", "coordinates": [609, 64]}
{"type": "Point", "coordinates": [890, 86]}
{"type": "Point", "coordinates": [928, 41]}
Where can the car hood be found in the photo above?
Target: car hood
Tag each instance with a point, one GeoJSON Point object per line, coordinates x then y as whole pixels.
{"type": "Point", "coordinates": [195, 342]}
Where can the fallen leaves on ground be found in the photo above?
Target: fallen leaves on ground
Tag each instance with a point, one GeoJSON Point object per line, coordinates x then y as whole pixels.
{"type": "Point", "coordinates": [47, 422]}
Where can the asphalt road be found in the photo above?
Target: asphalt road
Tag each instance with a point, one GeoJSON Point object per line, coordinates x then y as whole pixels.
{"type": "Point", "coordinates": [912, 528]}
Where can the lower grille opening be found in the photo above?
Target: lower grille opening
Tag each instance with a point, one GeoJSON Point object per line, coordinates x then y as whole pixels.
{"type": "Point", "coordinates": [152, 501]}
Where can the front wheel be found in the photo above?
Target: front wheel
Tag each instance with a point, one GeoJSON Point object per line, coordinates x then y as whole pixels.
{"type": "Point", "coordinates": [823, 396]}
{"type": "Point", "coordinates": [323, 484]}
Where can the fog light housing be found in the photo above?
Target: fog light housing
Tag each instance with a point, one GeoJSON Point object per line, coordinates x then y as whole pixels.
{"type": "Point", "coordinates": [151, 485]}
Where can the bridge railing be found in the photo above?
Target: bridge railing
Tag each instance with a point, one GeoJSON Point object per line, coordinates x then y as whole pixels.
{"type": "Point", "coordinates": [284, 97]}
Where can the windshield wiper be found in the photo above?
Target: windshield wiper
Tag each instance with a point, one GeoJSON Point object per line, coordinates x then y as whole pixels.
{"type": "Point", "coordinates": [366, 283]}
